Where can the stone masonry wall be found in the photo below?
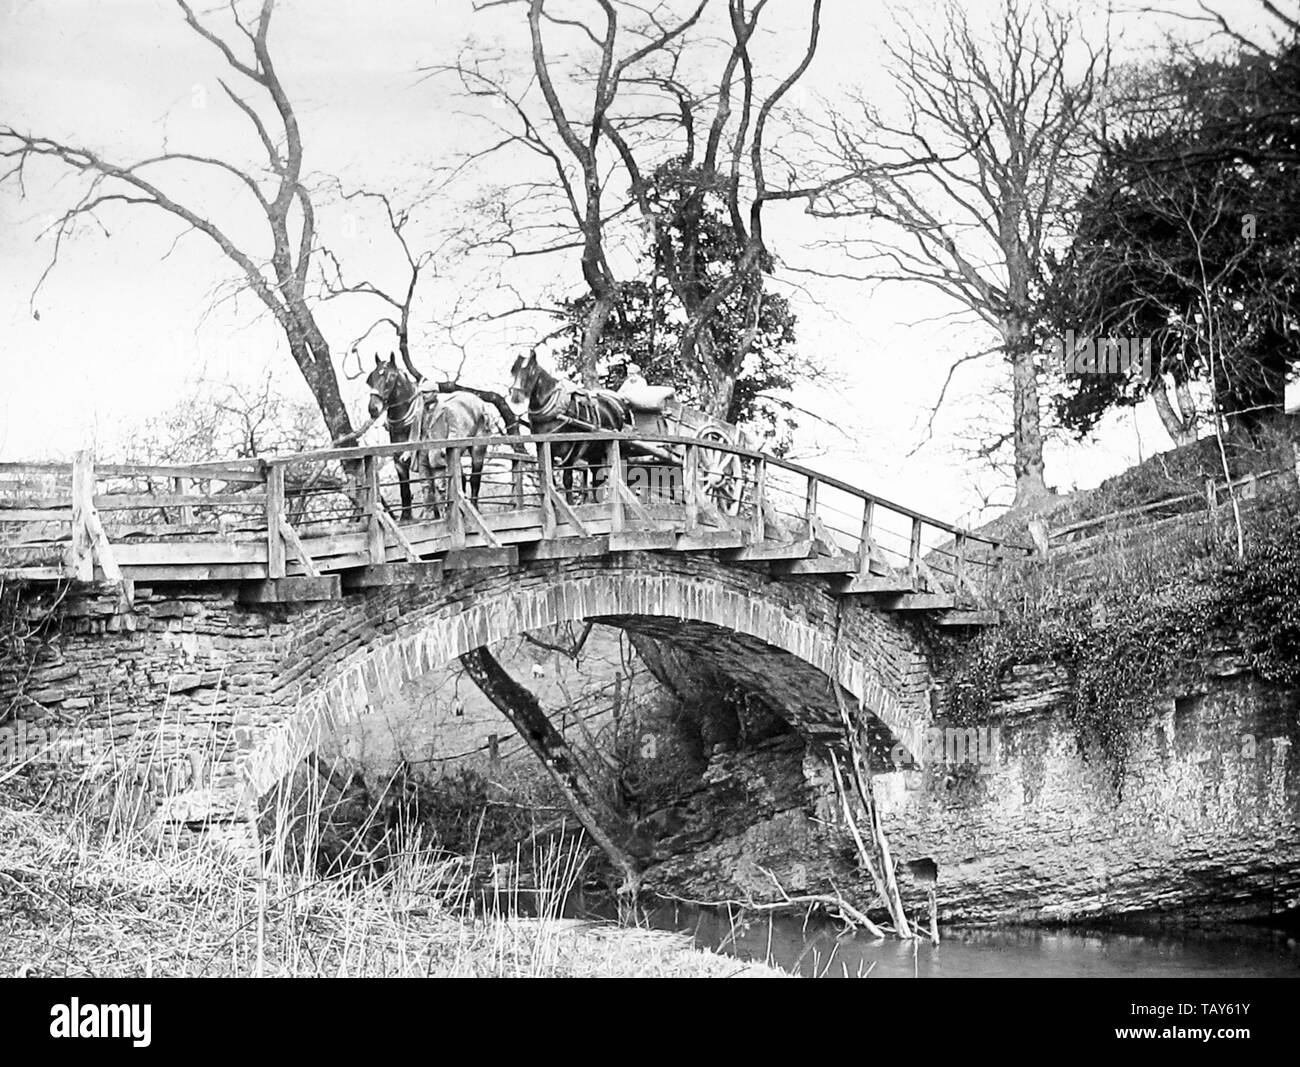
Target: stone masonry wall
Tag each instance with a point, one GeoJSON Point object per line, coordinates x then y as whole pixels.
{"type": "Point", "coordinates": [1202, 821]}
{"type": "Point", "coordinates": [215, 700]}
{"type": "Point", "coordinates": [1202, 818]}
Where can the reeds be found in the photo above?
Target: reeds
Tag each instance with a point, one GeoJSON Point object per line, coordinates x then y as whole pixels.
{"type": "Point", "coordinates": [93, 888]}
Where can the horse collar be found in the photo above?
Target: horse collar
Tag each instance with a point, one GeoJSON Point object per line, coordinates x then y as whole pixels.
{"type": "Point", "coordinates": [409, 417]}
{"type": "Point", "coordinates": [556, 403]}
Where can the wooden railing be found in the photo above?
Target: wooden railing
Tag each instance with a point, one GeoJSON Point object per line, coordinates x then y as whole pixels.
{"type": "Point", "coordinates": [1215, 494]}
{"type": "Point", "coordinates": [335, 508]}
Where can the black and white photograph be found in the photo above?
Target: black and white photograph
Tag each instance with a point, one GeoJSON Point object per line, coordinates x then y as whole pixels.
{"type": "Point", "coordinates": [649, 488]}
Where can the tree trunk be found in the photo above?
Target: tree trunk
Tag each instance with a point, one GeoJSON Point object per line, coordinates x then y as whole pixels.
{"type": "Point", "coordinates": [722, 381]}
{"type": "Point", "coordinates": [1180, 424]}
{"type": "Point", "coordinates": [1028, 434]}
{"type": "Point", "coordinates": [318, 372]}
{"type": "Point", "coordinates": [606, 824]}
{"type": "Point", "coordinates": [592, 333]}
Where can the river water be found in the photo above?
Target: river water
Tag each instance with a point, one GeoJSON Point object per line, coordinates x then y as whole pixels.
{"type": "Point", "coordinates": [816, 949]}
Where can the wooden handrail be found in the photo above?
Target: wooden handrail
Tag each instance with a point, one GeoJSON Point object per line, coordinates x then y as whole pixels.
{"type": "Point", "coordinates": [342, 455]}
{"type": "Point", "coordinates": [270, 470]}
{"type": "Point", "coordinates": [1155, 505]}
{"type": "Point", "coordinates": [218, 470]}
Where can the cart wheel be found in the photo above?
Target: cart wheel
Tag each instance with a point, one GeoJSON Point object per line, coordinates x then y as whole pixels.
{"type": "Point", "coordinates": [722, 474]}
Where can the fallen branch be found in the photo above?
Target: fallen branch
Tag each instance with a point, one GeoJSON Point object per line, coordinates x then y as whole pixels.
{"type": "Point", "coordinates": [354, 435]}
{"type": "Point", "coordinates": [882, 872]}
{"type": "Point", "coordinates": [849, 912]}
{"type": "Point", "coordinates": [601, 820]}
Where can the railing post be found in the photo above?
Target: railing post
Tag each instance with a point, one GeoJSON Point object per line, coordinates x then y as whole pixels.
{"type": "Point", "coordinates": [810, 504]}
{"type": "Point", "coordinates": [274, 516]}
{"type": "Point", "coordinates": [691, 480]}
{"type": "Point", "coordinates": [455, 516]}
{"type": "Point", "coordinates": [914, 552]}
{"type": "Point", "coordinates": [759, 529]}
{"type": "Point", "coordinates": [375, 546]}
{"type": "Point", "coordinates": [547, 479]}
{"type": "Point", "coordinates": [185, 511]}
{"type": "Point", "coordinates": [80, 559]}
{"type": "Point", "coordinates": [615, 483]}
{"type": "Point", "coordinates": [517, 478]}
{"type": "Point", "coordinates": [959, 567]}
{"type": "Point", "coordinates": [864, 546]}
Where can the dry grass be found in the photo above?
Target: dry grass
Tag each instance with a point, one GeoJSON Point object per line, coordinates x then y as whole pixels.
{"type": "Point", "coordinates": [87, 893]}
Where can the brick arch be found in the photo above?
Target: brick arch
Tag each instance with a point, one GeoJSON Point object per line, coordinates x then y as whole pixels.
{"type": "Point", "coordinates": [786, 635]}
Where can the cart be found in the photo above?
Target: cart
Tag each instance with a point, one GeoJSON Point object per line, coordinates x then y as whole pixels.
{"type": "Point", "coordinates": [724, 476]}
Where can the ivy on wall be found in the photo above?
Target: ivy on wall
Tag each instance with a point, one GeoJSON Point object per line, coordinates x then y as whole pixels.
{"type": "Point", "coordinates": [1125, 643]}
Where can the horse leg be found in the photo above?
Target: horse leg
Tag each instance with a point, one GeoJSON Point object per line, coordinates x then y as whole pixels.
{"type": "Point", "coordinates": [429, 481]}
{"type": "Point", "coordinates": [477, 456]}
{"type": "Point", "coordinates": [403, 466]}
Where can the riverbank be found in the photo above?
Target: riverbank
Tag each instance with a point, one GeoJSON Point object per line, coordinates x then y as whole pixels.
{"type": "Point", "coordinates": [85, 899]}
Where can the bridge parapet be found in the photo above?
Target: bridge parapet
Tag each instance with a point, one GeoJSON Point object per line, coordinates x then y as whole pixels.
{"type": "Point", "coordinates": [311, 525]}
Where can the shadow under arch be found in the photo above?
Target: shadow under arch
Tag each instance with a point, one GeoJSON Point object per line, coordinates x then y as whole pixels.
{"type": "Point", "coordinates": [785, 638]}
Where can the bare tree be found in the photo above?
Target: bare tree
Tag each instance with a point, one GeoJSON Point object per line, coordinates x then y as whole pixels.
{"type": "Point", "coordinates": [277, 269]}
{"type": "Point", "coordinates": [575, 157]}
{"type": "Point", "coordinates": [690, 145]}
{"type": "Point", "coordinates": [1002, 126]}
{"type": "Point", "coordinates": [729, 162]}
{"type": "Point", "coordinates": [583, 142]}
{"type": "Point", "coordinates": [397, 304]}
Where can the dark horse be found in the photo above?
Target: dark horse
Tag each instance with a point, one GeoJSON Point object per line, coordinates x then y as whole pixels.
{"type": "Point", "coordinates": [409, 416]}
{"type": "Point", "coordinates": [557, 406]}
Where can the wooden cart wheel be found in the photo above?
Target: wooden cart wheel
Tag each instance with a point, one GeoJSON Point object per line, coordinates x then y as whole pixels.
{"type": "Point", "coordinates": [722, 474]}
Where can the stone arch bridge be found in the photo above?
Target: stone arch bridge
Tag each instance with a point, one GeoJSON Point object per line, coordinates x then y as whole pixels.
{"type": "Point", "coordinates": [211, 621]}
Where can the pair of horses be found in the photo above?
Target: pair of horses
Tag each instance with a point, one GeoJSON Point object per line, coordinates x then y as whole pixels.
{"type": "Point", "coordinates": [410, 415]}
{"type": "Point", "coordinates": [554, 406]}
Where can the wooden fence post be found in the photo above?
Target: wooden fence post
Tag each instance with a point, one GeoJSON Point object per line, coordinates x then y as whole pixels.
{"type": "Point", "coordinates": [274, 518]}
{"type": "Point", "coordinates": [864, 547]}
{"type": "Point", "coordinates": [375, 546]}
{"type": "Point", "coordinates": [810, 504]}
{"type": "Point", "coordinates": [759, 531]}
{"type": "Point", "coordinates": [80, 559]}
{"type": "Point", "coordinates": [186, 511]}
{"type": "Point", "coordinates": [914, 552]}
{"type": "Point", "coordinates": [455, 516]}
{"type": "Point", "coordinates": [547, 478]}
{"type": "Point", "coordinates": [517, 479]}
{"type": "Point", "coordinates": [615, 483]}
{"type": "Point", "coordinates": [691, 480]}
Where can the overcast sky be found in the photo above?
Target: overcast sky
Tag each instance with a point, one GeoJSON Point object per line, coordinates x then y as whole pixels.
{"type": "Point", "coordinates": [127, 320]}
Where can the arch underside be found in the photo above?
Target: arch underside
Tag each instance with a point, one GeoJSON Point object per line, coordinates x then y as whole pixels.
{"type": "Point", "coordinates": [781, 640]}
{"type": "Point", "coordinates": [799, 692]}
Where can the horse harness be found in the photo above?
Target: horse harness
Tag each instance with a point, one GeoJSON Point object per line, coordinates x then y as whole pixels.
{"type": "Point", "coordinates": [409, 421]}
{"type": "Point", "coordinates": [570, 405]}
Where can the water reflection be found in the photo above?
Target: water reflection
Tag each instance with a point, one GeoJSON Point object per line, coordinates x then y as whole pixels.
{"type": "Point", "coordinates": [816, 949]}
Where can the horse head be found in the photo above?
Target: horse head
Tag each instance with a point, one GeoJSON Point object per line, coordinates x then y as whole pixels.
{"type": "Point", "coordinates": [524, 375]}
{"type": "Point", "coordinates": [385, 383]}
